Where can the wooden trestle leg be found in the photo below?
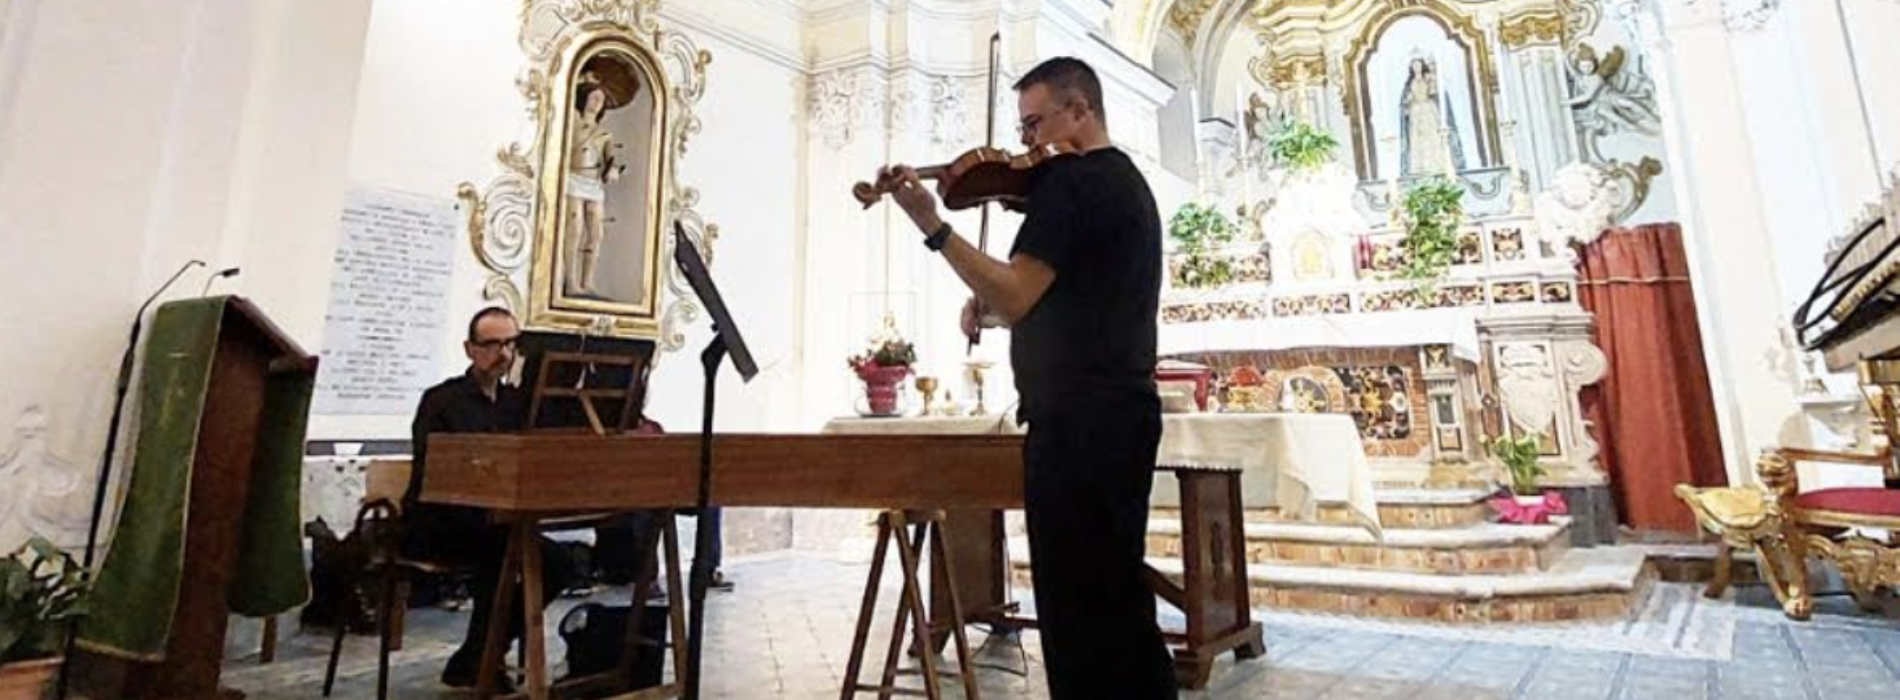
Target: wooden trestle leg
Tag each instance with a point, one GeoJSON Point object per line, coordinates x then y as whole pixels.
{"type": "Point", "coordinates": [913, 532]}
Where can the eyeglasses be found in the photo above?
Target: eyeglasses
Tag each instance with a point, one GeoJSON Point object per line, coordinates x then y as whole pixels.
{"type": "Point", "coordinates": [497, 343]}
{"type": "Point", "coordinates": [1030, 123]}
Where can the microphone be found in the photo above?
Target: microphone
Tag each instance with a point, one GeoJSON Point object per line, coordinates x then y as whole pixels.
{"type": "Point", "coordinates": [221, 274]}
{"type": "Point", "coordinates": [138, 320]}
{"type": "Point", "coordinates": [118, 407]}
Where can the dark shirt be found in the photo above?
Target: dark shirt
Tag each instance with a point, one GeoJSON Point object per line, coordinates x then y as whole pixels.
{"type": "Point", "coordinates": [1092, 335]}
{"type": "Point", "coordinates": [459, 406]}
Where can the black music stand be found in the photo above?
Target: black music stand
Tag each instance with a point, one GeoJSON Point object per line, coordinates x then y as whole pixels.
{"type": "Point", "coordinates": [726, 340]}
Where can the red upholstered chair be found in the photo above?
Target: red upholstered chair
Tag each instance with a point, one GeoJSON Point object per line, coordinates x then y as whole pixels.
{"type": "Point", "coordinates": [1829, 525]}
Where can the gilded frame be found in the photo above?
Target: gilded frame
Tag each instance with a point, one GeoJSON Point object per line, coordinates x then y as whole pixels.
{"type": "Point", "coordinates": [1483, 78]}
{"type": "Point", "coordinates": [549, 306]}
{"type": "Point", "coordinates": [513, 231]}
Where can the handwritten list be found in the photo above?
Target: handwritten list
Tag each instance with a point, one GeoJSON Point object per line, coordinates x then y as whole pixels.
{"type": "Point", "coordinates": [388, 303]}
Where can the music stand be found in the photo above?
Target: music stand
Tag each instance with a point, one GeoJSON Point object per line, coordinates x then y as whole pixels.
{"type": "Point", "coordinates": [726, 340]}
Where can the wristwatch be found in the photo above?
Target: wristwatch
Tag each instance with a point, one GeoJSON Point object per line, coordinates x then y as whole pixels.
{"type": "Point", "coordinates": [936, 240]}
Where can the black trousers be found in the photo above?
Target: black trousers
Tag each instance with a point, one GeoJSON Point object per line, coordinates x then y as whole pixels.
{"type": "Point", "coordinates": [465, 537]}
{"type": "Point", "coordinates": [1090, 468]}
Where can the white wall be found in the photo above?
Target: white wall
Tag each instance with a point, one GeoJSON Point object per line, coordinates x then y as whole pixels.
{"type": "Point", "coordinates": [137, 136]}
{"type": "Point", "coordinates": [746, 165]}
{"type": "Point", "coordinates": [436, 100]}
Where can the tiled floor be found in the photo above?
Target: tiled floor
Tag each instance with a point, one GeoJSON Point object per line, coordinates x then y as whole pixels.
{"type": "Point", "coordinates": [787, 629]}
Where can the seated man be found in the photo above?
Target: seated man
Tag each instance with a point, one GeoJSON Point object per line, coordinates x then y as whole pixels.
{"type": "Point", "coordinates": [476, 402]}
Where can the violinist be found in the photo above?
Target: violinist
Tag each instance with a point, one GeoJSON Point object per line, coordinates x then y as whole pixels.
{"type": "Point", "coordinates": [1079, 293]}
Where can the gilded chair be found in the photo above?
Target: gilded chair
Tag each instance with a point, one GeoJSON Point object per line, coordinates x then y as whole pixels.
{"type": "Point", "coordinates": [1740, 517]}
{"type": "Point", "coordinates": [1831, 525]}
{"type": "Point", "coordinates": [1787, 527]}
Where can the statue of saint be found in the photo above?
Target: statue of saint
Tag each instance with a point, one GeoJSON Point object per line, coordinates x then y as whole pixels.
{"type": "Point", "coordinates": [593, 161]}
{"type": "Point", "coordinates": [1428, 142]}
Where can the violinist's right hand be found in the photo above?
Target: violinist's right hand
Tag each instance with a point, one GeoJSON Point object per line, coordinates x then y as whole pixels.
{"type": "Point", "coordinates": [972, 312]}
{"type": "Point", "coordinates": [977, 316]}
{"type": "Point", "coordinates": [911, 194]}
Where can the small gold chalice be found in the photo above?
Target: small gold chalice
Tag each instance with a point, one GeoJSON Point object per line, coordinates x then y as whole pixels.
{"type": "Point", "coordinates": [928, 386]}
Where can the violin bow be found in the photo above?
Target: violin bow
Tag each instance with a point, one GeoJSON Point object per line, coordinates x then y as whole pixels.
{"type": "Point", "coordinates": [989, 139]}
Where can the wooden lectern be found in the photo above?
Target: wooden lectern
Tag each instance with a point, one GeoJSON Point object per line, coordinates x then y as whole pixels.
{"type": "Point", "coordinates": [209, 521]}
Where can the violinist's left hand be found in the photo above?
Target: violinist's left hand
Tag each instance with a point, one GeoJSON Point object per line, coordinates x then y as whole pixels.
{"type": "Point", "coordinates": [916, 199]}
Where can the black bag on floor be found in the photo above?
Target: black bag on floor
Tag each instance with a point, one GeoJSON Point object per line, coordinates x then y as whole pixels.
{"type": "Point", "coordinates": [596, 634]}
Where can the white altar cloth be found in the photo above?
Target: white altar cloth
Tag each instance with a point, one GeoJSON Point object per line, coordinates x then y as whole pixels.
{"type": "Point", "coordinates": [1293, 462]}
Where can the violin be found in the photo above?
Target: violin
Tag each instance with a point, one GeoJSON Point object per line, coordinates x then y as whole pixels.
{"type": "Point", "coordinates": [980, 176]}
{"type": "Point", "coordinates": [976, 178]}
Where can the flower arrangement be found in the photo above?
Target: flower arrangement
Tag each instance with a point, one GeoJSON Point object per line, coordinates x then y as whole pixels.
{"type": "Point", "coordinates": [884, 355]}
{"type": "Point", "coordinates": [882, 366]}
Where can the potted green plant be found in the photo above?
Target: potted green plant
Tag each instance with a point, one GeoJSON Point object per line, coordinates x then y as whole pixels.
{"type": "Point", "coordinates": [1430, 212]}
{"type": "Point", "coordinates": [42, 594]}
{"type": "Point", "coordinates": [1199, 232]}
{"type": "Point", "coordinates": [1301, 147]}
{"type": "Point", "coordinates": [1519, 454]}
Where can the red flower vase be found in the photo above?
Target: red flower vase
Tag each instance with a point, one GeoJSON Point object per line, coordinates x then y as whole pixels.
{"type": "Point", "coordinates": [880, 387]}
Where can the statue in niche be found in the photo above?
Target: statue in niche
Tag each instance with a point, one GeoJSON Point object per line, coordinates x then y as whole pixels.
{"type": "Point", "coordinates": [1611, 95]}
{"type": "Point", "coordinates": [1426, 124]}
{"type": "Point", "coordinates": [594, 161]}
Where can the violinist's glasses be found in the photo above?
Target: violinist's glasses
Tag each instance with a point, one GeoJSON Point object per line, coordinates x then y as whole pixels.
{"type": "Point", "coordinates": [1029, 124]}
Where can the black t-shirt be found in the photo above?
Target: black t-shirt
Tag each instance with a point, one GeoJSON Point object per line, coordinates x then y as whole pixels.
{"type": "Point", "coordinates": [1092, 335]}
{"type": "Point", "coordinates": [459, 406]}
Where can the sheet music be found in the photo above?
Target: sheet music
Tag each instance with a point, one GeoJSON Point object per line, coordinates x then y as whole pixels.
{"type": "Point", "coordinates": [389, 292]}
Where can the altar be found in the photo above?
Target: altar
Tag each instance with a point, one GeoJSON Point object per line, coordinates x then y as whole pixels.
{"type": "Point", "coordinates": [1292, 463]}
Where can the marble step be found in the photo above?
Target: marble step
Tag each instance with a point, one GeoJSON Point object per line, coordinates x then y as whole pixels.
{"type": "Point", "coordinates": [1489, 548]}
{"type": "Point", "coordinates": [1591, 583]}
{"type": "Point", "coordinates": [1417, 508]}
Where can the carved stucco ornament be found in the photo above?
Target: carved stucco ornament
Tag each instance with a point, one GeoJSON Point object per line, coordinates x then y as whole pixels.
{"type": "Point", "coordinates": [1529, 386]}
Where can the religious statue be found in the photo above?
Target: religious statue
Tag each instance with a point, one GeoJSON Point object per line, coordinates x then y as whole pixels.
{"type": "Point", "coordinates": [1264, 117]}
{"type": "Point", "coordinates": [1428, 142]}
{"type": "Point", "coordinates": [593, 162]}
{"type": "Point", "coordinates": [1610, 95]}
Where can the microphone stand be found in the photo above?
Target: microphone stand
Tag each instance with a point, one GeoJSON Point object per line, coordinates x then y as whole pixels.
{"type": "Point", "coordinates": [123, 386]}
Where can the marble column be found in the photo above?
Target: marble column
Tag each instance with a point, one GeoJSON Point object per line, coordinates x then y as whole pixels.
{"type": "Point", "coordinates": [1731, 252]}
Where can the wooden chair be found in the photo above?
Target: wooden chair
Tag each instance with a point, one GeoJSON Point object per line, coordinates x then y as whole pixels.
{"type": "Point", "coordinates": [379, 523]}
{"type": "Point", "coordinates": [1826, 524]}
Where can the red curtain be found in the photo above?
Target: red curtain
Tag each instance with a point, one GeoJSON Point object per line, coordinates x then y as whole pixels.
{"type": "Point", "coordinates": [1652, 411]}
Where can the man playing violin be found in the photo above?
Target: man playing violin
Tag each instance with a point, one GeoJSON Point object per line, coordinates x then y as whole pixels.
{"type": "Point", "coordinates": [1079, 293]}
